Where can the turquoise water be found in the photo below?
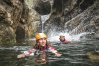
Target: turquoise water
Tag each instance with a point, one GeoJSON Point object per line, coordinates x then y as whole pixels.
{"type": "Point", "coordinates": [74, 54]}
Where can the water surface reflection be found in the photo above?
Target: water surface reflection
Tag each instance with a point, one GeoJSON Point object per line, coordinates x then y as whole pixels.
{"type": "Point", "coordinates": [74, 54]}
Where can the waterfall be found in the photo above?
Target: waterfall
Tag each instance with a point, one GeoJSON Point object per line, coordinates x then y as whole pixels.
{"type": "Point", "coordinates": [43, 20]}
{"type": "Point", "coordinates": [45, 17]}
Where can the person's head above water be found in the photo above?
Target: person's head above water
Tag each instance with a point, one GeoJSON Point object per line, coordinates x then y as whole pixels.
{"type": "Point", "coordinates": [41, 39]}
{"type": "Point", "coordinates": [62, 38]}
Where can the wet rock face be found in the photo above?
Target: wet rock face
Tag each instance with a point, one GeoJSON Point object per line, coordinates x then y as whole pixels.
{"type": "Point", "coordinates": [76, 16]}
{"type": "Point", "coordinates": [43, 7]}
{"type": "Point", "coordinates": [6, 31]}
{"type": "Point", "coordinates": [6, 35]}
{"type": "Point", "coordinates": [15, 21]}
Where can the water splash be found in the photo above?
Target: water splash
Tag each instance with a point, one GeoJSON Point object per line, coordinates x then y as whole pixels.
{"type": "Point", "coordinates": [54, 37]}
{"type": "Point", "coordinates": [78, 36]}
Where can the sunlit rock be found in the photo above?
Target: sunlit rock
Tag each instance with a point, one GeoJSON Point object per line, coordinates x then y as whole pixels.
{"type": "Point", "coordinates": [16, 20]}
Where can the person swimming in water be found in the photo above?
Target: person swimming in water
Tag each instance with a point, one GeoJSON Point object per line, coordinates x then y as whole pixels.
{"type": "Point", "coordinates": [41, 45]}
{"type": "Point", "coordinates": [63, 40]}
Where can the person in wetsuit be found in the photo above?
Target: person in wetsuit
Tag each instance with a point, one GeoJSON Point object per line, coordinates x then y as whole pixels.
{"type": "Point", "coordinates": [41, 45]}
{"type": "Point", "coordinates": [63, 40]}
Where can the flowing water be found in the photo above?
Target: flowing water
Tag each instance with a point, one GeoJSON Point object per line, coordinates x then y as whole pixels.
{"type": "Point", "coordinates": [43, 20]}
{"type": "Point", "coordinates": [74, 54]}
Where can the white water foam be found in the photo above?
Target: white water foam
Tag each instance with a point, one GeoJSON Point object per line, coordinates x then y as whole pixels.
{"type": "Point", "coordinates": [54, 37]}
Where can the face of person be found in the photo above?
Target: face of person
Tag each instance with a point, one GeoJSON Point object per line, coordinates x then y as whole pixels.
{"type": "Point", "coordinates": [62, 38]}
{"type": "Point", "coordinates": [42, 41]}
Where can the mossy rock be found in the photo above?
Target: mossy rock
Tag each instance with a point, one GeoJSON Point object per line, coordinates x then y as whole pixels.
{"type": "Point", "coordinates": [93, 56]}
